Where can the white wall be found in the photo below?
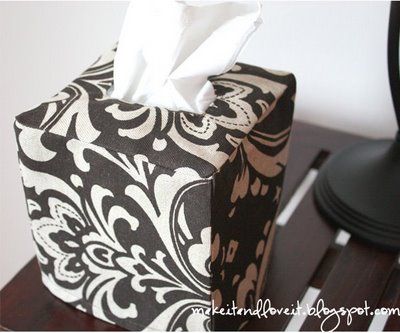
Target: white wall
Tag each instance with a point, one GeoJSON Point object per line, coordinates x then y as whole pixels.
{"type": "Point", "coordinates": [337, 51]}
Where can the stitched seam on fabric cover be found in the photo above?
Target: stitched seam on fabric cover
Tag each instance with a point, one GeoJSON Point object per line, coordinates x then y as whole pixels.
{"type": "Point", "coordinates": [108, 148]}
{"type": "Point", "coordinates": [278, 97]}
{"type": "Point", "coordinates": [76, 299]}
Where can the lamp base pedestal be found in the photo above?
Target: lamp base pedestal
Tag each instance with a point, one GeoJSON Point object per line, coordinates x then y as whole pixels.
{"type": "Point", "coordinates": [358, 189]}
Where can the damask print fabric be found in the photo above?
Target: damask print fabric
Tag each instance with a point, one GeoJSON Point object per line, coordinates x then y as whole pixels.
{"type": "Point", "coordinates": [140, 214]}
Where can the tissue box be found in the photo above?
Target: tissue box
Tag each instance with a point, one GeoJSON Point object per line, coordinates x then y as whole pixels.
{"type": "Point", "coordinates": [148, 218]}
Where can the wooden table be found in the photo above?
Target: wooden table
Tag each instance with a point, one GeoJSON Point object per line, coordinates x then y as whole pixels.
{"type": "Point", "coordinates": [305, 254]}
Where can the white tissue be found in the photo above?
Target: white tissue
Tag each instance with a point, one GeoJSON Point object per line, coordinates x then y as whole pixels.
{"type": "Point", "coordinates": [168, 49]}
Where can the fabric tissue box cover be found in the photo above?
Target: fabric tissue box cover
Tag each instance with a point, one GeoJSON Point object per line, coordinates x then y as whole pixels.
{"type": "Point", "coordinates": [140, 214]}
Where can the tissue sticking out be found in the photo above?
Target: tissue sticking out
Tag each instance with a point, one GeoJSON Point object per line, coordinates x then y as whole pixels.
{"type": "Point", "coordinates": [168, 49]}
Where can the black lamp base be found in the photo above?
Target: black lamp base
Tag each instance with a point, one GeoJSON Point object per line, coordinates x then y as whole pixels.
{"type": "Point", "coordinates": [358, 189]}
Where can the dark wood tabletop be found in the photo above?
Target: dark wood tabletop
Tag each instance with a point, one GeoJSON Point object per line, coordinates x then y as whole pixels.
{"type": "Point", "coordinates": [305, 254]}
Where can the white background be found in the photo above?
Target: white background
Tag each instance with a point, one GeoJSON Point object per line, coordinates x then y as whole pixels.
{"type": "Point", "coordinates": [337, 51]}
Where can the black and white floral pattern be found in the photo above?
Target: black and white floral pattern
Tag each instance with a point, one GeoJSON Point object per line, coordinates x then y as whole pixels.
{"type": "Point", "coordinates": [140, 214]}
